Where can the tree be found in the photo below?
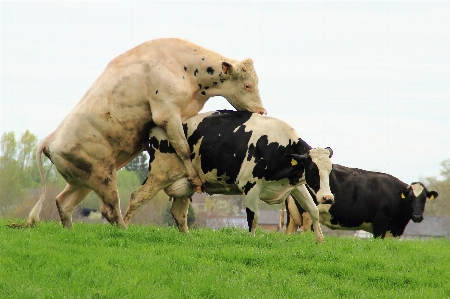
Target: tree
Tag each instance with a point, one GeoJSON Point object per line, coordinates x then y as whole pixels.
{"type": "Point", "coordinates": [127, 183]}
{"type": "Point", "coordinates": [139, 165]}
{"type": "Point", "coordinates": [8, 149]}
{"type": "Point", "coordinates": [19, 174]}
{"type": "Point", "coordinates": [441, 205]}
{"type": "Point", "coordinates": [11, 190]}
{"type": "Point", "coordinates": [445, 171]}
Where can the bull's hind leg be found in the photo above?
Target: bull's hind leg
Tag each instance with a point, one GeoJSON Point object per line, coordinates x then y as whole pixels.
{"type": "Point", "coordinates": [305, 200]}
{"type": "Point", "coordinates": [307, 222]}
{"type": "Point", "coordinates": [164, 170]}
{"type": "Point", "coordinates": [68, 200]}
{"type": "Point", "coordinates": [141, 196]}
{"type": "Point", "coordinates": [294, 218]}
{"type": "Point", "coordinates": [179, 210]}
{"type": "Point", "coordinates": [103, 181]}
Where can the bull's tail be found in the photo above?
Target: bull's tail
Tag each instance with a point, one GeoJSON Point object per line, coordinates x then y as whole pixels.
{"type": "Point", "coordinates": [33, 217]}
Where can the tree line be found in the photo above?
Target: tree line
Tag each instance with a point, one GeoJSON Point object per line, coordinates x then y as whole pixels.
{"type": "Point", "coordinates": [20, 185]}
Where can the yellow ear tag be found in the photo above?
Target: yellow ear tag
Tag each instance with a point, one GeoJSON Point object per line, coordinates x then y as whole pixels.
{"type": "Point", "coordinates": [431, 197]}
{"type": "Point", "coordinates": [403, 195]}
{"type": "Point", "coordinates": [294, 162]}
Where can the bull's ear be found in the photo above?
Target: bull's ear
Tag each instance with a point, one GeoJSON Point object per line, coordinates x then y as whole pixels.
{"type": "Point", "coordinates": [432, 195]}
{"type": "Point", "coordinates": [296, 159]}
{"type": "Point", "coordinates": [227, 68]}
{"type": "Point", "coordinates": [330, 150]}
{"type": "Point", "coordinates": [402, 193]}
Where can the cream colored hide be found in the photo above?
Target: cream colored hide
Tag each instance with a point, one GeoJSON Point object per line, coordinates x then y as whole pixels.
{"type": "Point", "coordinates": [162, 82]}
{"type": "Point", "coordinates": [296, 219]}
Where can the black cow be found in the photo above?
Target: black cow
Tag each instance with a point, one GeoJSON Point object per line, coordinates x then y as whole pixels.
{"type": "Point", "coordinates": [371, 201]}
{"type": "Point", "coordinates": [237, 153]}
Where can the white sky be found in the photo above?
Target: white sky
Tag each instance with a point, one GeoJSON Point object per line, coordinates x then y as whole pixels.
{"type": "Point", "coordinates": [369, 79]}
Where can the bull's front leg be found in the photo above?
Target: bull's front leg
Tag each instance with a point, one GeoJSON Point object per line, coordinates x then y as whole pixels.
{"type": "Point", "coordinates": [174, 131]}
{"type": "Point", "coordinates": [306, 202]}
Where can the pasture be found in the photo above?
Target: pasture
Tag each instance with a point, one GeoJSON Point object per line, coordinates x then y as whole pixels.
{"type": "Point", "coordinates": [101, 261]}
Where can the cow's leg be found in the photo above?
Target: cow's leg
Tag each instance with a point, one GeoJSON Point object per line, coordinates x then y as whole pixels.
{"type": "Point", "coordinates": [380, 225]}
{"type": "Point", "coordinates": [295, 219]}
{"type": "Point", "coordinates": [251, 201]}
{"type": "Point", "coordinates": [179, 210]}
{"type": "Point", "coordinates": [174, 130]}
{"type": "Point", "coordinates": [68, 200]}
{"type": "Point", "coordinates": [252, 221]}
{"type": "Point", "coordinates": [305, 200]}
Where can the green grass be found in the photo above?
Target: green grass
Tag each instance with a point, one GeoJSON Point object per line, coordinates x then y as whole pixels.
{"type": "Point", "coordinates": [100, 261]}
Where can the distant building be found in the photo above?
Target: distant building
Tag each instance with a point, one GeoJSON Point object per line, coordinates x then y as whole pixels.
{"type": "Point", "coordinates": [198, 202]}
{"type": "Point", "coordinates": [430, 227]}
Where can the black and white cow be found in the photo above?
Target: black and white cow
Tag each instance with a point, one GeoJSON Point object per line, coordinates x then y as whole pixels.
{"type": "Point", "coordinates": [237, 153]}
{"type": "Point", "coordinates": [364, 200]}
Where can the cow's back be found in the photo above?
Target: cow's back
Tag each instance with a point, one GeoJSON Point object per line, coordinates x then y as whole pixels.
{"type": "Point", "coordinates": [231, 145]}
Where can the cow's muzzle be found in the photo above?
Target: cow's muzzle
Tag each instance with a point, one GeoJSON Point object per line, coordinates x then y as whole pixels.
{"type": "Point", "coordinates": [328, 199]}
{"type": "Point", "coordinates": [417, 218]}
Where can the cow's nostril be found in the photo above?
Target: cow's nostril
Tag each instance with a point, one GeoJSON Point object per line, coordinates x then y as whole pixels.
{"type": "Point", "coordinates": [417, 218]}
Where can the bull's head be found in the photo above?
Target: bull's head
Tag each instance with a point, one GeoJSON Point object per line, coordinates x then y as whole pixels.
{"type": "Point", "coordinates": [317, 169]}
{"type": "Point", "coordinates": [240, 86]}
{"type": "Point", "coordinates": [415, 195]}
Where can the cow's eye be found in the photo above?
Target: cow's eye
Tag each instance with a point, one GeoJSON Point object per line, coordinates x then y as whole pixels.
{"type": "Point", "coordinates": [247, 86]}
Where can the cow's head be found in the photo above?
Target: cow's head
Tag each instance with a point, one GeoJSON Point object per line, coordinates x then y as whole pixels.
{"type": "Point", "coordinates": [240, 86]}
{"type": "Point", "coordinates": [317, 169]}
{"type": "Point", "coordinates": [416, 195]}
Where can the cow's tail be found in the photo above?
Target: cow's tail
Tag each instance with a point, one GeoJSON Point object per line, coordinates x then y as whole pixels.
{"type": "Point", "coordinates": [33, 217]}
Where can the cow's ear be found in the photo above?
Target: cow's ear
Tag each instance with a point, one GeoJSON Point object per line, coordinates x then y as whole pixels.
{"type": "Point", "coordinates": [227, 68]}
{"type": "Point", "coordinates": [330, 150]}
{"type": "Point", "coordinates": [402, 193]}
{"type": "Point", "coordinates": [296, 159]}
{"type": "Point", "coordinates": [432, 195]}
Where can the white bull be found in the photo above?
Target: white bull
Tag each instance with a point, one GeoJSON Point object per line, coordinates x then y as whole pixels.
{"type": "Point", "coordinates": [162, 82]}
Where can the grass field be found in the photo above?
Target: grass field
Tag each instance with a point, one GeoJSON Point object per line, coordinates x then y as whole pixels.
{"type": "Point", "coordinates": [100, 261]}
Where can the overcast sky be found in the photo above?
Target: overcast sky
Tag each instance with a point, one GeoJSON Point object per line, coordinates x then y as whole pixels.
{"type": "Point", "coordinates": [369, 79]}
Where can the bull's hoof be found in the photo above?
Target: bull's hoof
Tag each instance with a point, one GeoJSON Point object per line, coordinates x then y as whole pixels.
{"type": "Point", "coordinates": [126, 220]}
{"type": "Point", "coordinates": [19, 225]}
